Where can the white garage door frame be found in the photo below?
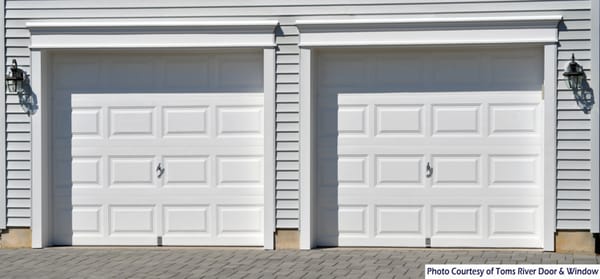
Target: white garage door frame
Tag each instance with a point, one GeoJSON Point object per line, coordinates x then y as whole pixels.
{"type": "Point", "coordinates": [166, 36]}
{"type": "Point", "coordinates": [481, 31]}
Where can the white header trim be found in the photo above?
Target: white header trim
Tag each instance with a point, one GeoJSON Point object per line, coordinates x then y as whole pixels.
{"type": "Point", "coordinates": [548, 20]}
{"type": "Point", "coordinates": [105, 24]}
{"type": "Point", "coordinates": [428, 31]}
{"type": "Point", "coordinates": [151, 34]}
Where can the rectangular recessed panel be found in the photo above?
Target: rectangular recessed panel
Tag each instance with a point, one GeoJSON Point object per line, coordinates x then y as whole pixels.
{"type": "Point", "coordinates": [399, 120]}
{"type": "Point", "coordinates": [352, 220]}
{"type": "Point", "coordinates": [239, 171]}
{"type": "Point", "coordinates": [188, 171]}
{"type": "Point", "coordinates": [134, 171]}
{"type": "Point", "coordinates": [240, 121]}
{"type": "Point", "coordinates": [132, 219]}
{"type": "Point", "coordinates": [352, 120]}
{"type": "Point", "coordinates": [399, 170]}
{"type": "Point", "coordinates": [513, 170]}
{"type": "Point", "coordinates": [456, 170]}
{"type": "Point", "coordinates": [456, 220]}
{"type": "Point", "coordinates": [399, 220]}
{"type": "Point", "coordinates": [86, 122]}
{"type": "Point", "coordinates": [87, 219]}
{"type": "Point", "coordinates": [132, 122]}
{"type": "Point", "coordinates": [86, 171]}
{"type": "Point", "coordinates": [456, 120]}
{"type": "Point", "coordinates": [186, 219]}
{"type": "Point", "coordinates": [352, 171]}
{"type": "Point", "coordinates": [513, 119]}
{"type": "Point", "coordinates": [240, 219]}
{"type": "Point", "coordinates": [185, 121]}
{"type": "Point", "coordinates": [513, 220]}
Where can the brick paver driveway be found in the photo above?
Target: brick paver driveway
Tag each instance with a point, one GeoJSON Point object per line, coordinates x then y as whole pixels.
{"type": "Point", "coordinates": [252, 263]}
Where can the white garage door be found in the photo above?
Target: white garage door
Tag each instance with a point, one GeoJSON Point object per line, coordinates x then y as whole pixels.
{"type": "Point", "coordinates": [154, 149]}
{"type": "Point", "coordinates": [437, 147]}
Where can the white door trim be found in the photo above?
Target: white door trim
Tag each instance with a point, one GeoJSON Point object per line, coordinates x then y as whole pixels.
{"type": "Point", "coordinates": [595, 117]}
{"type": "Point", "coordinates": [324, 35]}
{"type": "Point", "coordinates": [178, 34]}
{"type": "Point", "coordinates": [41, 224]}
{"type": "Point", "coordinates": [429, 31]}
{"type": "Point", "coordinates": [549, 143]}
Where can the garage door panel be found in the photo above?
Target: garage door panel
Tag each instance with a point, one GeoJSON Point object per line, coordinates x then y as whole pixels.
{"type": "Point", "coordinates": [461, 221]}
{"type": "Point", "coordinates": [399, 171]}
{"type": "Point", "coordinates": [480, 135]}
{"type": "Point", "coordinates": [456, 169]}
{"type": "Point", "coordinates": [399, 221]}
{"type": "Point", "coordinates": [205, 133]}
{"type": "Point", "coordinates": [388, 120]}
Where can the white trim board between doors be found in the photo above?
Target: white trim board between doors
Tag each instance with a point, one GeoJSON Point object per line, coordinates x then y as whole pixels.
{"type": "Point", "coordinates": [49, 36]}
{"type": "Point", "coordinates": [541, 31]}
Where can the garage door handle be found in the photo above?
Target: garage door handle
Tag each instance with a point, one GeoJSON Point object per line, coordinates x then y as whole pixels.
{"type": "Point", "coordinates": [429, 171]}
{"type": "Point", "coordinates": [159, 170]}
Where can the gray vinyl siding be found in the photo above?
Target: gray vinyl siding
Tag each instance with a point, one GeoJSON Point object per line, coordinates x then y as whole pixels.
{"type": "Point", "coordinates": [573, 126]}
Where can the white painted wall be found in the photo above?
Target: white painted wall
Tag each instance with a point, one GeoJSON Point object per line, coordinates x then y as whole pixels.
{"type": "Point", "coordinates": [574, 132]}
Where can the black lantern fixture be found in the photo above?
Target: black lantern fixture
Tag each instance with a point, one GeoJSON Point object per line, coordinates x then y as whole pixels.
{"type": "Point", "coordinates": [15, 78]}
{"type": "Point", "coordinates": [574, 75]}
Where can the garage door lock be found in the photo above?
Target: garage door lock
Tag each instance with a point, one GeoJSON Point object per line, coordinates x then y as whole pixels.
{"type": "Point", "coordinates": [429, 171]}
{"type": "Point", "coordinates": [159, 170]}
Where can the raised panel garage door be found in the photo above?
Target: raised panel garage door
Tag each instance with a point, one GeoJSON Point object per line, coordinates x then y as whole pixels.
{"type": "Point", "coordinates": [158, 149]}
{"type": "Point", "coordinates": [437, 147]}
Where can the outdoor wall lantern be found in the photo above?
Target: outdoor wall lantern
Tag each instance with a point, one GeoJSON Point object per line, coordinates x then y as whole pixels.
{"type": "Point", "coordinates": [576, 81]}
{"type": "Point", "coordinates": [17, 81]}
{"type": "Point", "coordinates": [15, 78]}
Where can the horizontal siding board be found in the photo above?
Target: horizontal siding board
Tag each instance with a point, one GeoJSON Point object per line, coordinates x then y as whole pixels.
{"type": "Point", "coordinates": [287, 194]}
{"type": "Point", "coordinates": [288, 165]}
{"type": "Point", "coordinates": [287, 223]}
{"type": "Point", "coordinates": [573, 215]}
{"type": "Point", "coordinates": [18, 165]}
{"type": "Point", "coordinates": [12, 155]}
{"type": "Point", "coordinates": [286, 204]}
{"type": "Point", "coordinates": [573, 204]}
{"type": "Point", "coordinates": [18, 194]}
{"type": "Point", "coordinates": [18, 222]}
{"type": "Point", "coordinates": [288, 117]}
{"type": "Point", "coordinates": [288, 98]}
{"type": "Point", "coordinates": [574, 145]}
{"type": "Point", "coordinates": [288, 175]}
{"type": "Point", "coordinates": [19, 212]}
{"type": "Point", "coordinates": [574, 165]}
{"type": "Point", "coordinates": [288, 214]}
{"type": "Point", "coordinates": [18, 184]}
{"type": "Point", "coordinates": [572, 224]}
{"type": "Point", "coordinates": [287, 184]}
{"type": "Point", "coordinates": [18, 203]}
{"type": "Point", "coordinates": [288, 136]}
{"type": "Point", "coordinates": [573, 154]}
{"type": "Point", "coordinates": [574, 135]}
{"type": "Point", "coordinates": [573, 194]}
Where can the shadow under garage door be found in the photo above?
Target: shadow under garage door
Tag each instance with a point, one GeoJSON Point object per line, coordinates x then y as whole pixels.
{"type": "Point", "coordinates": [430, 146]}
{"type": "Point", "coordinates": [158, 148]}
